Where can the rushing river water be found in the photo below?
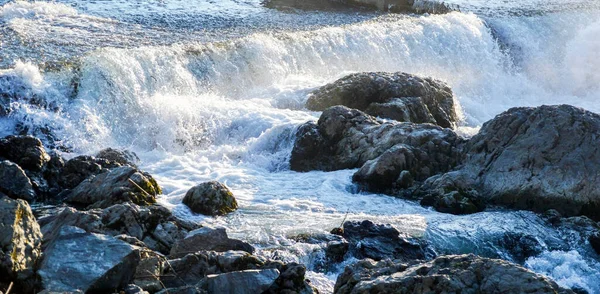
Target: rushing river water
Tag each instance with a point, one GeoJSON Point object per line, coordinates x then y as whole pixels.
{"type": "Point", "coordinates": [214, 90]}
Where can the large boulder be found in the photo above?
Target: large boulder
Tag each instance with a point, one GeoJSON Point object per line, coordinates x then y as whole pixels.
{"type": "Point", "coordinates": [378, 241]}
{"type": "Point", "coordinates": [537, 159]}
{"type": "Point", "coordinates": [210, 198]}
{"type": "Point", "coordinates": [208, 238]}
{"type": "Point", "coordinates": [14, 182]}
{"type": "Point", "coordinates": [26, 151]}
{"type": "Point", "coordinates": [398, 96]}
{"type": "Point", "coordinates": [119, 185]}
{"type": "Point", "coordinates": [79, 261]}
{"type": "Point", "coordinates": [390, 153]}
{"type": "Point", "coordinates": [445, 274]}
{"type": "Point", "coordinates": [242, 282]}
{"type": "Point", "coordinates": [153, 226]}
{"type": "Point", "coordinates": [20, 242]}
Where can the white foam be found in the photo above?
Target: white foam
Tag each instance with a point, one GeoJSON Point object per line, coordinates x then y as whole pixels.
{"type": "Point", "coordinates": [568, 268]}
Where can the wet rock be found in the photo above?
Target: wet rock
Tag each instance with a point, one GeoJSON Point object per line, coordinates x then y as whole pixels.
{"type": "Point", "coordinates": [119, 185]}
{"type": "Point", "coordinates": [122, 157]}
{"type": "Point", "coordinates": [210, 198]}
{"type": "Point", "coordinates": [148, 272]}
{"type": "Point", "coordinates": [20, 243]}
{"type": "Point", "coordinates": [336, 250]}
{"type": "Point", "coordinates": [242, 282]}
{"type": "Point", "coordinates": [77, 260]}
{"type": "Point", "coordinates": [396, 6]}
{"type": "Point", "coordinates": [445, 274]}
{"type": "Point", "coordinates": [208, 238]}
{"type": "Point", "coordinates": [14, 182]}
{"type": "Point", "coordinates": [193, 267]}
{"type": "Point", "coordinates": [134, 289]}
{"type": "Point", "coordinates": [377, 241]}
{"type": "Point", "coordinates": [453, 192]}
{"type": "Point", "coordinates": [77, 169]}
{"type": "Point", "coordinates": [183, 290]}
{"type": "Point", "coordinates": [348, 138]}
{"type": "Point", "coordinates": [291, 280]}
{"type": "Point", "coordinates": [538, 159]}
{"type": "Point", "coordinates": [398, 96]}
{"type": "Point", "coordinates": [26, 151]}
{"type": "Point", "coordinates": [145, 226]}
{"type": "Point", "coordinates": [521, 246]}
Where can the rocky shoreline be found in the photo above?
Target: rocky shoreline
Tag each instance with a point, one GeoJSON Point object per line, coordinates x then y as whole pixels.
{"type": "Point", "coordinates": [108, 235]}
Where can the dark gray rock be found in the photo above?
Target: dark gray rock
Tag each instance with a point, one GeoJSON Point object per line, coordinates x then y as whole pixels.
{"type": "Point", "coordinates": [122, 157]}
{"type": "Point", "coordinates": [398, 96]}
{"type": "Point", "coordinates": [77, 260]}
{"type": "Point", "coordinates": [142, 226]}
{"type": "Point", "coordinates": [453, 192]}
{"type": "Point", "coordinates": [445, 274]}
{"type": "Point", "coordinates": [77, 169]}
{"type": "Point", "coordinates": [208, 238]}
{"type": "Point", "coordinates": [377, 241]}
{"type": "Point", "coordinates": [14, 182]}
{"type": "Point", "coordinates": [193, 267]}
{"type": "Point", "coordinates": [20, 243]}
{"type": "Point", "coordinates": [115, 186]}
{"type": "Point", "coordinates": [134, 289]}
{"type": "Point", "coordinates": [291, 280]}
{"type": "Point", "coordinates": [210, 198]}
{"type": "Point", "coordinates": [538, 159]}
{"type": "Point", "coordinates": [395, 6]}
{"type": "Point", "coordinates": [241, 282]}
{"type": "Point", "coordinates": [26, 151]}
{"type": "Point", "coordinates": [348, 138]}
{"type": "Point", "coordinates": [148, 272]}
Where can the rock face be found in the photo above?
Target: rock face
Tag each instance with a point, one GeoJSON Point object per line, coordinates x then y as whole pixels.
{"type": "Point", "coordinates": [539, 158]}
{"type": "Point", "coordinates": [210, 198]}
{"type": "Point", "coordinates": [20, 241]}
{"type": "Point", "coordinates": [14, 182]}
{"type": "Point", "coordinates": [28, 152]}
{"type": "Point", "coordinates": [242, 282]}
{"type": "Point", "coordinates": [77, 260]}
{"type": "Point", "coordinates": [376, 241]}
{"type": "Point", "coordinates": [391, 154]}
{"type": "Point", "coordinates": [153, 226]}
{"type": "Point", "coordinates": [115, 186]}
{"type": "Point", "coordinates": [398, 96]}
{"type": "Point", "coordinates": [445, 274]}
{"type": "Point", "coordinates": [208, 238]}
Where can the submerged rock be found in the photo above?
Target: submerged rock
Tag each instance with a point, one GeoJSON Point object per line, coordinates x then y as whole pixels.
{"type": "Point", "coordinates": [399, 96]}
{"type": "Point", "coordinates": [20, 243]}
{"type": "Point", "coordinates": [378, 241]}
{"type": "Point", "coordinates": [445, 274]}
{"type": "Point", "coordinates": [119, 185]}
{"type": "Point", "coordinates": [208, 238]}
{"type": "Point", "coordinates": [391, 154]}
{"type": "Point", "coordinates": [26, 151]}
{"type": "Point", "coordinates": [539, 158]}
{"type": "Point", "coordinates": [14, 182]}
{"type": "Point", "coordinates": [210, 198]}
{"type": "Point", "coordinates": [87, 262]}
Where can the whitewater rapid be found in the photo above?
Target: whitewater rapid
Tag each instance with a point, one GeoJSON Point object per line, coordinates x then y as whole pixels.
{"type": "Point", "coordinates": [198, 107]}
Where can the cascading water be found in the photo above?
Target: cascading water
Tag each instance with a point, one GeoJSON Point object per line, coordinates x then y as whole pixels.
{"type": "Point", "coordinates": [225, 107]}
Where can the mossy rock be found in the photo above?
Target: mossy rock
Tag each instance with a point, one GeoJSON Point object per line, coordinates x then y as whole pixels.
{"type": "Point", "coordinates": [210, 198]}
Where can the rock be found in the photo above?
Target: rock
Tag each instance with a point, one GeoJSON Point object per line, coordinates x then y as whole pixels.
{"type": "Point", "coordinates": [210, 198]}
{"type": "Point", "coordinates": [183, 290]}
{"type": "Point", "coordinates": [336, 250]}
{"type": "Point", "coordinates": [521, 246]}
{"type": "Point", "coordinates": [445, 274]}
{"type": "Point", "coordinates": [122, 157]}
{"type": "Point", "coordinates": [347, 138]}
{"type": "Point", "coordinates": [26, 151]}
{"type": "Point", "coordinates": [595, 242]}
{"type": "Point", "coordinates": [369, 240]}
{"type": "Point", "coordinates": [538, 159]}
{"type": "Point", "coordinates": [193, 267]}
{"type": "Point", "coordinates": [77, 260]}
{"type": "Point", "coordinates": [453, 192]}
{"type": "Point", "coordinates": [148, 272]}
{"type": "Point", "coordinates": [20, 243]}
{"type": "Point", "coordinates": [396, 6]}
{"type": "Point", "coordinates": [14, 182]}
{"type": "Point", "coordinates": [398, 96]}
{"type": "Point", "coordinates": [133, 289]}
{"type": "Point", "coordinates": [291, 280]}
{"type": "Point", "coordinates": [242, 282]}
{"type": "Point", "coordinates": [137, 223]}
{"type": "Point", "coordinates": [115, 186]}
{"type": "Point", "coordinates": [78, 169]}
{"type": "Point", "coordinates": [208, 238]}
